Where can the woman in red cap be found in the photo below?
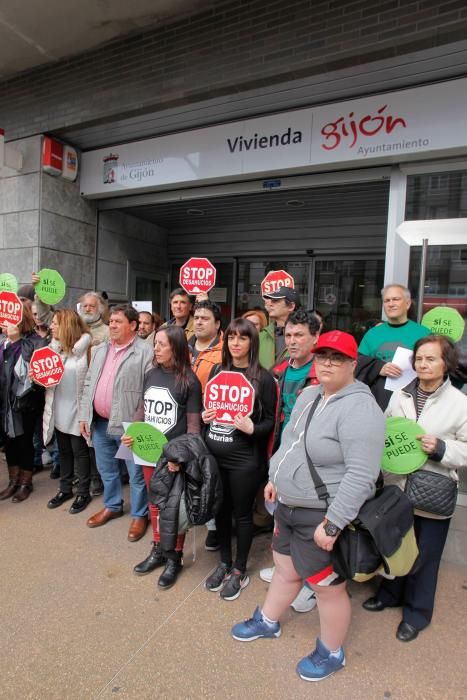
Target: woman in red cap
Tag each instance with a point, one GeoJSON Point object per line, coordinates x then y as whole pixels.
{"type": "Point", "coordinates": [326, 428]}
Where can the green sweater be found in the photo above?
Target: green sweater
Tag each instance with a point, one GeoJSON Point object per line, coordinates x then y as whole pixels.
{"type": "Point", "coordinates": [382, 341]}
{"type": "Point", "coordinates": [267, 347]}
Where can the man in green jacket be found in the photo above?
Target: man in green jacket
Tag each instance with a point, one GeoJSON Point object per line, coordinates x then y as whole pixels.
{"type": "Point", "coordinates": [279, 306]}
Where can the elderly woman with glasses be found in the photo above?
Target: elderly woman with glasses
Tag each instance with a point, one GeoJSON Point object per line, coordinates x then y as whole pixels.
{"type": "Point", "coordinates": [339, 425]}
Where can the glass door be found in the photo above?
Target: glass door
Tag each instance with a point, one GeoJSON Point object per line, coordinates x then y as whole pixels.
{"type": "Point", "coordinates": [347, 293]}
{"type": "Point", "coordinates": [252, 272]}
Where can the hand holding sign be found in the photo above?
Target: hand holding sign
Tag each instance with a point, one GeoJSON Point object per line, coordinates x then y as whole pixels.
{"type": "Point", "coordinates": [403, 451]}
{"type": "Point", "coordinates": [147, 441]}
{"type": "Point", "coordinates": [51, 287]}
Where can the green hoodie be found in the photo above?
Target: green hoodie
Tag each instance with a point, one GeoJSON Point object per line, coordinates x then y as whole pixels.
{"type": "Point", "coordinates": [267, 347]}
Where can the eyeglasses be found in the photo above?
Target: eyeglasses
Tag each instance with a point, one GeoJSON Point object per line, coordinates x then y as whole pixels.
{"type": "Point", "coordinates": [335, 359]}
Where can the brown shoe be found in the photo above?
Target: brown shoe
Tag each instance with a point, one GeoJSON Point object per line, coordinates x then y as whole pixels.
{"type": "Point", "coordinates": [103, 517]}
{"type": "Point", "coordinates": [25, 487]}
{"type": "Point", "coordinates": [137, 529]}
{"type": "Point", "coordinates": [13, 484]}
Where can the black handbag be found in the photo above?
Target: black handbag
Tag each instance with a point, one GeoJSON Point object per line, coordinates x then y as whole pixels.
{"type": "Point", "coordinates": [381, 538]}
{"type": "Point", "coordinates": [432, 492]}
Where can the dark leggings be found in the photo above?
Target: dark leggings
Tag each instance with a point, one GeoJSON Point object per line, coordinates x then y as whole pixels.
{"type": "Point", "coordinates": [240, 487]}
{"type": "Point", "coordinates": [74, 454]}
{"type": "Point", "coordinates": [19, 451]}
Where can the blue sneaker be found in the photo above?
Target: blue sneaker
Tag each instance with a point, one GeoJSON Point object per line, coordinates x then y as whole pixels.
{"type": "Point", "coordinates": [254, 628]}
{"type": "Point", "coordinates": [320, 663]}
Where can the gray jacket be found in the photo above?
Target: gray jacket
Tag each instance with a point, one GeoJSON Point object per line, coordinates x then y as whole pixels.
{"type": "Point", "coordinates": [345, 440]}
{"type": "Point", "coordinates": [127, 388]}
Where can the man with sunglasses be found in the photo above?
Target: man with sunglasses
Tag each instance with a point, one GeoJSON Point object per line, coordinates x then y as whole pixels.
{"type": "Point", "coordinates": [279, 305]}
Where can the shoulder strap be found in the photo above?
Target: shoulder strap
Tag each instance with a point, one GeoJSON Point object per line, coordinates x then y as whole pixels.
{"type": "Point", "coordinates": [320, 486]}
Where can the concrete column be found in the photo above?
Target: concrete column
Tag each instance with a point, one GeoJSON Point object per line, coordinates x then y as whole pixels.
{"type": "Point", "coordinates": [20, 213]}
{"type": "Point", "coordinates": [397, 250]}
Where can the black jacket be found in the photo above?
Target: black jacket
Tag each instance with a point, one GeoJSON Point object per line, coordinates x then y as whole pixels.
{"type": "Point", "coordinates": [198, 480]}
{"type": "Point", "coordinates": [13, 403]}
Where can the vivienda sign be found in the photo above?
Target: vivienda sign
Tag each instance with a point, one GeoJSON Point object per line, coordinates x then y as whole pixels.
{"type": "Point", "coordinates": [392, 127]}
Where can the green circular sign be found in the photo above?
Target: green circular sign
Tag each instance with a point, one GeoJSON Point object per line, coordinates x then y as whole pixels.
{"type": "Point", "coordinates": [51, 288]}
{"type": "Point", "coordinates": [403, 453]}
{"type": "Point", "coordinates": [8, 283]}
{"type": "Point", "coordinates": [148, 441]}
{"type": "Point", "coordinates": [444, 320]}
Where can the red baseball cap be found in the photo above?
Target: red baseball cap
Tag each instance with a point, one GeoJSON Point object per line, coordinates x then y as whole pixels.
{"type": "Point", "coordinates": [339, 341]}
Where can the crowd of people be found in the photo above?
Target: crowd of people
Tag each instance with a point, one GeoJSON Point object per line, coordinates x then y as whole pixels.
{"type": "Point", "coordinates": [317, 396]}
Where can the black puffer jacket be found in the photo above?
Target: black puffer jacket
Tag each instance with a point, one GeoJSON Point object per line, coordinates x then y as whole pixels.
{"type": "Point", "coordinates": [198, 480]}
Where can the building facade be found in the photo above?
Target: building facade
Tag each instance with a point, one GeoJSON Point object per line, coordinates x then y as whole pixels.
{"type": "Point", "coordinates": [327, 138]}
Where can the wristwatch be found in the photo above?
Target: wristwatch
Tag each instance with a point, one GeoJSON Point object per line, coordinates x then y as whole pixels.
{"type": "Point", "coordinates": [330, 529]}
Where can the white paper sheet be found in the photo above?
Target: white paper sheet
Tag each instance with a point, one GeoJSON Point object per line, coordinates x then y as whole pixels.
{"type": "Point", "coordinates": [142, 306]}
{"type": "Point", "coordinates": [403, 359]}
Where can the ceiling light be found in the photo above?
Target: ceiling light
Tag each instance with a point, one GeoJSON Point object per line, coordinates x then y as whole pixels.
{"type": "Point", "coordinates": [195, 212]}
{"type": "Point", "coordinates": [295, 203]}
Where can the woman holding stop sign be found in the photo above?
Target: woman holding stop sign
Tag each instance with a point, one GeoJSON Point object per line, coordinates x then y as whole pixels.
{"type": "Point", "coordinates": [20, 404]}
{"type": "Point", "coordinates": [240, 450]}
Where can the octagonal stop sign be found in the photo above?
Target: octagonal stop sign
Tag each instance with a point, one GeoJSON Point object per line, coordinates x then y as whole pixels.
{"type": "Point", "coordinates": [276, 279]}
{"type": "Point", "coordinates": [197, 275]}
{"type": "Point", "coordinates": [11, 309]}
{"type": "Point", "coordinates": [47, 367]}
{"type": "Point", "coordinates": [230, 393]}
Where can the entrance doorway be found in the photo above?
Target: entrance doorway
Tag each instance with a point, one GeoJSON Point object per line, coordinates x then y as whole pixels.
{"type": "Point", "coordinates": [345, 291]}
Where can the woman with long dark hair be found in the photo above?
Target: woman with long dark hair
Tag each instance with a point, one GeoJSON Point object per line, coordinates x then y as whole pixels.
{"type": "Point", "coordinates": [240, 451]}
{"type": "Point", "coordinates": [21, 404]}
{"type": "Point", "coordinates": [172, 404]}
{"type": "Point", "coordinates": [71, 339]}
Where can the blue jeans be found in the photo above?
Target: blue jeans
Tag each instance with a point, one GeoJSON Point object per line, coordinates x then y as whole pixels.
{"type": "Point", "coordinates": [106, 447]}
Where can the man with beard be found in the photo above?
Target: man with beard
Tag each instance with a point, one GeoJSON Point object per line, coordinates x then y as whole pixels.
{"type": "Point", "coordinates": [146, 326]}
{"type": "Point", "coordinates": [91, 308]}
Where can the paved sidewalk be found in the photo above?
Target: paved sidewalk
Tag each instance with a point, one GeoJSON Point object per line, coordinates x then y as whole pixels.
{"type": "Point", "coordinates": [76, 623]}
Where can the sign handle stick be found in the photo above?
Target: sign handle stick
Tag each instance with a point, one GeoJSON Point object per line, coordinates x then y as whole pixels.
{"type": "Point", "coordinates": [421, 287]}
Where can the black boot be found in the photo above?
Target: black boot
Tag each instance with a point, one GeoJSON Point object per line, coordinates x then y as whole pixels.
{"type": "Point", "coordinates": [155, 559]}
{"type": "Point", "coordinates": [170, 574]}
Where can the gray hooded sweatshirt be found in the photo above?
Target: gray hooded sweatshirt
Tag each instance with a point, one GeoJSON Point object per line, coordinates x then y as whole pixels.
{"type": "Point", "coordinates": [345, 440]}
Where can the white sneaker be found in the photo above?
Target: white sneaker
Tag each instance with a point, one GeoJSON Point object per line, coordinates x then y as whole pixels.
{"type": "Point", "coordinates": [305, 601]}
{"type": "Point", "coordinates": [267, 574]}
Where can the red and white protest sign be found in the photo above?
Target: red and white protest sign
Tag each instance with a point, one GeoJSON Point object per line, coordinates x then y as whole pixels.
{"type": "Point", "coordinates": [11, 309]}
{"type": "Point", "coordinates": [197, 275]}
{"type": "Point", "coordinates": [47, 367]}
{"type": "Point", "coordinates": [230, 393]}
{"type": "Point", "coordinates": [276, 279]}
